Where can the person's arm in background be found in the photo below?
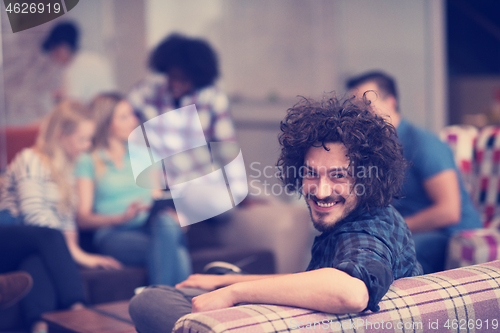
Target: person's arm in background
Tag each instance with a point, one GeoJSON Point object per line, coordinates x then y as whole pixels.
{"type": "Point", "coordinates": [87, 219]}
{"type": "Point", "coordinates": [85, 186]}
{"type": "Point", "coordinates": [443, 190]}
{"type": "Point", "coordinates": [87, 259]}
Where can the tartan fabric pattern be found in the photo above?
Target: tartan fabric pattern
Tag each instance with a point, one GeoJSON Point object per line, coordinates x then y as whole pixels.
{"type": "Point", "coordinates": [462, 139]}
{"type": "Point", "coordinates": [471, 247]}
{"type": "Point", "coordinates": [465, 299]}
{"type": "Point", "coordinates": [486, 192]}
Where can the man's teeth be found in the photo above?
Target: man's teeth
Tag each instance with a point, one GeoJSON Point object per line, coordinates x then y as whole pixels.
{"type": "Point", "coordinates": [324, 204]}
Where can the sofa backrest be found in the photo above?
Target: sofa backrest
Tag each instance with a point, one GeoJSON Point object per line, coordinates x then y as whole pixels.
{"type": "Point", "coordinates": [464, 299]}
{"type": "Point", "coordinates": [16, 139]}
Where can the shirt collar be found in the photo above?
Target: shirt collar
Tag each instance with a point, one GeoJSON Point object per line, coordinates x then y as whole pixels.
{"type": "Point", "coordinates": [402, 127]}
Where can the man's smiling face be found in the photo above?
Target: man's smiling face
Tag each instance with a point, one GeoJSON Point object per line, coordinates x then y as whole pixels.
{"type": "Point", "coordinates": [327, 185]}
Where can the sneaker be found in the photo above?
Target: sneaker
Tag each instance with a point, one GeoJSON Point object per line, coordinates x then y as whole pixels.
{"type": "Point", "coordinates": [13, 287]}
{"type": "Point", "coordinates": [221, 268]}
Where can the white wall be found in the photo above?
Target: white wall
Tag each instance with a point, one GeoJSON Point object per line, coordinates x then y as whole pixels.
{"type": "Point", "coordinates": [298, 47]}
{"type": "Point", "coordinates": [306, 47]}
{"type": "Point", "coordinates": [403, 38]}
{"type": "Point", "coordinates": [280, 48]}
{"type": "Point", "coordinates": [116, 30]}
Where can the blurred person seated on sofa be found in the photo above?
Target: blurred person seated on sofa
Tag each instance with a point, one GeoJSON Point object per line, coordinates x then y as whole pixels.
{"type": "Point", "coordinates": [85, 73]}
{"type": "Point", "coordinates": [365, 244]}
{"type": "Point", "coordinates": [110, 200]}
{"type": "Point", "coordinates": [435, 203]}
{"type": "Point", "coordinates": [37, 190]}
{"type": "Point", "coordinates": [38, 187]}
{"type": "Point", "coordinates": [186, 70]}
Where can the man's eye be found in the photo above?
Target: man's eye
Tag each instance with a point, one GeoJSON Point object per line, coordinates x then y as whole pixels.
{"type": "Point", "coordinates": [338, 175]}
{"type": "Point", "coordinates": [310, 174]}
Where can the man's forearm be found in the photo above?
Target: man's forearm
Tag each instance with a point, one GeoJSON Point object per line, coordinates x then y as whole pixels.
{"type": "Point", "coordinates": [326, 289]}
{"type": "Point", "coordinates": [236, 278]}
{"type": "Point", "coordinates": [212, 282]}
{"type": "Point", "coordinates": [432, 218]}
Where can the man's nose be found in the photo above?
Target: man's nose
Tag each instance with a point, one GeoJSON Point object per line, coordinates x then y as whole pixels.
{"type": "Point", "coordinates": [324, 188]}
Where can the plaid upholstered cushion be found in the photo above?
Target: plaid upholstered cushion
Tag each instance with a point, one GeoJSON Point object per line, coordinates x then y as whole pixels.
{"type": "Point", "coordinates": [485, 192]}
{"type": "Point", "coordinates": [461, 139]}
{"type": "Point", "coordinates": [483, 150]}
{"type": "Point", "coordinates": [471, 247]}
{"type": "Point", "coordinates": [465, 299]}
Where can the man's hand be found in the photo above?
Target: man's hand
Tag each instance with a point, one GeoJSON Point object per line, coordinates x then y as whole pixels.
{"type": "Point", "coordinates": [218, 299]}
{"type": "Point", "coordinates": [204, 281]}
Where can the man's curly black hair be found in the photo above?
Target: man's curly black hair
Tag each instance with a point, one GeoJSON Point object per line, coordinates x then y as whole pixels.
{"type": "Point", "coordinates": [371, 142]}
{"type": "Point", "coordinates": [195, 57]}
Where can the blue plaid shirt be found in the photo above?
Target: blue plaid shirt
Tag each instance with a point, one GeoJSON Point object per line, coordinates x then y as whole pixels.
{"type": "Point", "coordinates": [376, 247]}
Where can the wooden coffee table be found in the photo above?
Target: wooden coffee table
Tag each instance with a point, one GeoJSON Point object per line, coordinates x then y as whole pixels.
{"type": "Point", "coordinates": [102, 318]}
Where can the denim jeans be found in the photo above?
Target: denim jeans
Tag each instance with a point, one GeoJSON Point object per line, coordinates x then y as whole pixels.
{"type": "Point", "coordinates": [6, 218]}
{"type": "Point", "coordinates": [160, 247]}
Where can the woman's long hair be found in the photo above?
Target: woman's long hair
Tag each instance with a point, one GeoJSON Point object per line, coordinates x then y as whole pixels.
{"type": "Point", "coordinates": [102, 108]}
{"type": "Point", "coordinates": [62, 121]}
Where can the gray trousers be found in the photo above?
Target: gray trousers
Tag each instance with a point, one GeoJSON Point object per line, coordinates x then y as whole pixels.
{"type": "Point", "coordinates": [157, 308]}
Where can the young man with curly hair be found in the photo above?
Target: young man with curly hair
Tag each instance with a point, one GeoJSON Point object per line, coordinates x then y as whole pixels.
{"type": "Point", "coordinates": [346, 162]}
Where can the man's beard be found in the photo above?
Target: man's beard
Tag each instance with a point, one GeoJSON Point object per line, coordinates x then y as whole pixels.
{"type": "Point", "coordinates": [323, 226]}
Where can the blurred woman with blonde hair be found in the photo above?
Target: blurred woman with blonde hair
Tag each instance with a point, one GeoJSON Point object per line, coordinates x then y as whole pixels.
{"type": "Point", "coordinates": [38, 192]}
{"type": "Point", "coordinates": [111, 202]}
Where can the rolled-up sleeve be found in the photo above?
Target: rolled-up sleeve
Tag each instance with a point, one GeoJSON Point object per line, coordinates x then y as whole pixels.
{"type": "Point", "coordinates": [367, 258]}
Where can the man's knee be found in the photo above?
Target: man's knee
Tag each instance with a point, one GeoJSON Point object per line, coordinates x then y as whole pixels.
{"type": "Point", "coordinates": [137, 306]}
{"type": "Point", "coordinates": [157, 308]}
{"type": "Point", "coordinates": [140, 311]}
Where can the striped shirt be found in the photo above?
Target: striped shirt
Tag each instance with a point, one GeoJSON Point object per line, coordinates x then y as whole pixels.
{"type": "Point", "coordinates": [29, 193]}
{"type": "Point", "coordinates": [376, 247]}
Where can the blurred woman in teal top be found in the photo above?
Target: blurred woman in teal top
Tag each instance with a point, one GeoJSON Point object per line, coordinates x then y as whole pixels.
{"type": "Point", "coordinates": [111, 202]}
